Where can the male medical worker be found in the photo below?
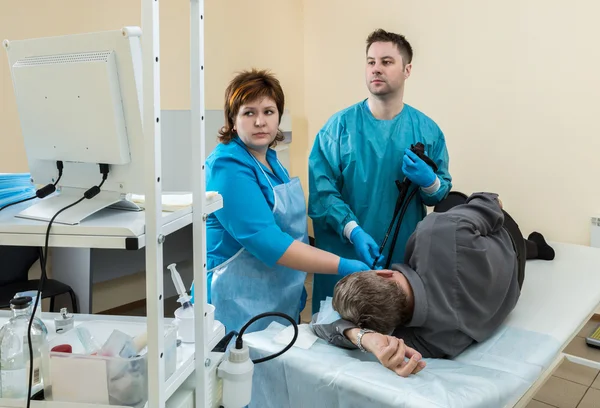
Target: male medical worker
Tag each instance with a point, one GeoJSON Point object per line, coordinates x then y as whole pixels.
{"type": "Point", "coordinates": [359, 154]}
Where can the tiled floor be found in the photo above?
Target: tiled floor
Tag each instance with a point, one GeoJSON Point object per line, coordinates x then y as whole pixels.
{"type": "Point", "coordinates": [306, 313]}
{"type": "Point", "coordinates": [573, 385]}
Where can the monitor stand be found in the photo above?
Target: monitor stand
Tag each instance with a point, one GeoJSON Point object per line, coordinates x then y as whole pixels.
{"type": "Point", "coordinates": [46, 208]}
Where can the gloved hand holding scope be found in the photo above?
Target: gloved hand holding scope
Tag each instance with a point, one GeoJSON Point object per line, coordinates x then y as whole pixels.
{"type": "Point", "coordinates": [418, 169]}
{"type": "Point", "coordinates": [415, 167]}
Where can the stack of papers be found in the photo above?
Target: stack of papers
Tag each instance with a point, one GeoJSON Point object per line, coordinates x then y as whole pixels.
{"type": "Point", "coordinates": [15, 187]}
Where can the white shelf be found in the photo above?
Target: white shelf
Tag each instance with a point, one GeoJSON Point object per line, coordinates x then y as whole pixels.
{"type": "Point", "coordinates": [186, 360]}
{"type": "Point", "coordinates": [5, 403]}
{"type": "Point", "coordinates": [185, 357]}
{"type": "Point", "coordinates": [128, 230]}
{"type": "Point", "coordinates": [214, 203]}
{"type": "Point", "coordinates": [108, 229]}
{"type": "Point", "coordinates": [185, 367]}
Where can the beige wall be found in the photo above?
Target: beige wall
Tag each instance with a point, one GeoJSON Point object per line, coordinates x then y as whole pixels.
{"type": "Point", "coordinates": [514, 85]}
{"type": "Point", "coordinates": [239, 35]}
{"type": "Point", "coordinates": [264, 34]}
{"type": "Point", "coordinates": [234, 41]}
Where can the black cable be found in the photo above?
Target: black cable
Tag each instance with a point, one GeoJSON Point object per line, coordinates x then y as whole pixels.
{"type": "Point", "coordinates": [90, 193]}
{"type": "Point", "coordinates": [44, 191]}
{"type": "Point", "coordinates": [419, 150]}
{"type": "Point", "coordinates": [402, 188]}
{"type": "Point", "coordinates": [17, 202]}
{"type": "Point", "coordinates": [43, 258]}
{"type": "Point", "coordinates": [221, 346]}
{"type": "Point", "coordinates": [239, 343]}
{"type": "Point", "coordinates": [395, 237]}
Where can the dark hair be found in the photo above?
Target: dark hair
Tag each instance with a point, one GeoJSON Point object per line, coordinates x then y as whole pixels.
{"type": "Point", "coordinates": [371, 302]}
{"type": "Point", "coordinates": [403, 46]}
{"type": "Point", "coordinates": [246, 87]}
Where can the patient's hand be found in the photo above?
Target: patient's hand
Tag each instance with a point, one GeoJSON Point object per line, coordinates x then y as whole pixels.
{"type": "Point", "coordinates": [392, 353]}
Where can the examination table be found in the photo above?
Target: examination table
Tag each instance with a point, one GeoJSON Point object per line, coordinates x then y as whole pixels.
{"type": "Point", "coordinates": [557, 299]}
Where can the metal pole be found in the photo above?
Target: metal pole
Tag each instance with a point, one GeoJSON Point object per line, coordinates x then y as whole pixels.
{"type": "Point", "coordinates": [153, 191]}
{"type": "Point", "coordinates": [199, 194]}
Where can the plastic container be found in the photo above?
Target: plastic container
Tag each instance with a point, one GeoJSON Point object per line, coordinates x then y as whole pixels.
{"type": "Point", "coordinates": [104, 380]}
{"type": "Point", "coordinates": [184, 320]}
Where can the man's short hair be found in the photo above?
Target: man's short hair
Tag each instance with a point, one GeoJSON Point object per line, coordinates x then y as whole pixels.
{"type": "Point", "coordinates": [371, 302]}
{"type": "Point", "coordinates": [401, 43]}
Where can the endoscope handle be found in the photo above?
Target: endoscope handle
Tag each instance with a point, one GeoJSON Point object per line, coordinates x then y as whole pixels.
{"type": "Point", "coordinates": [419, 150]}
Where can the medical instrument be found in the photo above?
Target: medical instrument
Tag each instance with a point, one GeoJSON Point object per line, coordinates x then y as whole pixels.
{"type": "Point", "coordinates": [64, 322]}
{"type": "Point", "coordinates": [416, 170]}
{"type": "Point", "coordinates": [123, 345]}
{"type": "Point", "coordinates": [184, 299]}
{"type": "Point", "coordinates": [237, 370]}
{"type": "Point", "coordinates": [90, 346]}
{"type": "Point", "coordinates": [401, 205]}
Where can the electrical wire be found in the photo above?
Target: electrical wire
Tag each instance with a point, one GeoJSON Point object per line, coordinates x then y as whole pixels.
{"type": "Point", "coordinates": [92, 192]}
{"type": "Point", "coordinates": [44, 191]}
{"type": "Point", "coordinates": [239, 343]}
{"type": "Point", "coordinates": [398, 225]}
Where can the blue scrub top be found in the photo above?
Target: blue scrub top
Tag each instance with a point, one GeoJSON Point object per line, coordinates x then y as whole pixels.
{"type": "Point", "coordinates": [246, 219]}
{"type": "Point", "coordinates": [353, 166]}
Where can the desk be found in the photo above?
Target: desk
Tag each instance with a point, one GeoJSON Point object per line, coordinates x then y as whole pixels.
{"type": "Point", "coordinates": [106, 245]}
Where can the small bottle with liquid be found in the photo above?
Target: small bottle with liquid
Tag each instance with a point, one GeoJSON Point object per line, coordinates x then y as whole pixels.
{"type": "Point", "coordinates": [14, 350]}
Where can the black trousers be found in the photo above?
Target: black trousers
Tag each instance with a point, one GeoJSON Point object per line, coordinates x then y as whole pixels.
{"type": "Point", "coordinates": [524, 248]}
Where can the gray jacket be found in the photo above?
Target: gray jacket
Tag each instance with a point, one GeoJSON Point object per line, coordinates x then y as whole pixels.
{"type": "Point", "coordinates": [462, 267]}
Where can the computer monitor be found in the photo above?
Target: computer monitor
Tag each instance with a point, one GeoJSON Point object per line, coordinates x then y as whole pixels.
{"type": "Point", "coordinates": [79, 101]}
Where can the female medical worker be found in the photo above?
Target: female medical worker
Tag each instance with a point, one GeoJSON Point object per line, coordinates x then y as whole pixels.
{"type": "Point", "coordinates": [257, 244]}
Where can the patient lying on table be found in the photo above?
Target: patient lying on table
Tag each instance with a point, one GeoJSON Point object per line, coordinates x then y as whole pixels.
{"type": "Point", "coordinates": [462, 276]}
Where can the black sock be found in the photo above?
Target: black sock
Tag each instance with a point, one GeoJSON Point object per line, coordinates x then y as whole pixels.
{"type": "Point", "coordinates": [545, 251]}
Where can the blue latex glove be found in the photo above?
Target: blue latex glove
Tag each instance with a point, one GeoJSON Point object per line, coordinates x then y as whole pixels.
{"type": "Point", "coordinates": [348, 266]}
{"type": "Point", "coordinates": [365, 246]}
{"type": "Point", "coordinates": [192, 294]}
{"type": "Point", "coordinates": [417, 170]}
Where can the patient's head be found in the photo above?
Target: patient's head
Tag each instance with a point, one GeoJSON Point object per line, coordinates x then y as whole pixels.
{"type": "Point", "coordinates": [375, 300]}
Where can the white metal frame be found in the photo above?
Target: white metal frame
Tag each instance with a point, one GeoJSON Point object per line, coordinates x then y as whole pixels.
{"type": "Point", "coordinates": [155, 230]}
{"type": "Point", "coordinates": [154, 238]}
{"type": "Point", "coordinates": [199, 191]}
